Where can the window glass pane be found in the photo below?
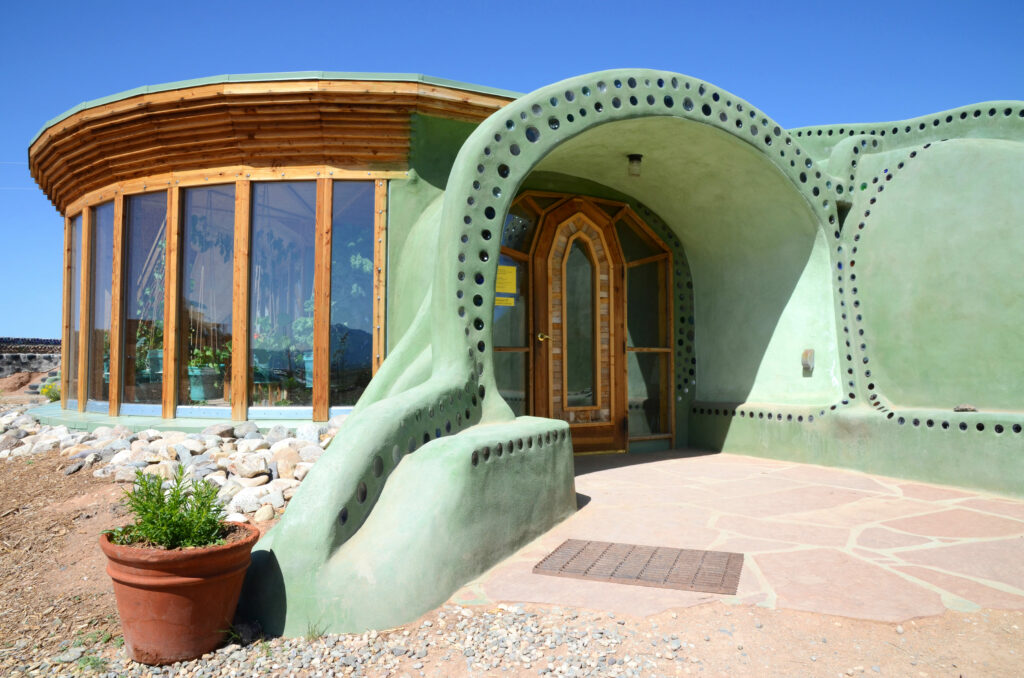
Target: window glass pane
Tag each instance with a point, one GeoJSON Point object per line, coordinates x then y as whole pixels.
{"type": "Point", "coordinates": [102, 266]}
{"type": "Point", "coordinates": [281, 293]}
{"type": "Point", "coordinates": [208, 233]}
{"type": "Point", "coordinates": [145, 241]}
{"type": "Point", "coordinates": [579, 327]}
{"type": "Point", "coordinates": [519, 227]}
{"type": "Point", "coordinates": [634, 244]}
{"type": "Point", "coordinates": [351, 290]}
{"type": "Point", "coordinates": [648, 413]}
{"type": "Point", "coordinates": [645, 314]}
{"type": "Point", "coordinates": [75, 275]}
{"type": "Point", "coordinates": [510, 375]}
{"type": "Point", "coordinates": [510, 319]}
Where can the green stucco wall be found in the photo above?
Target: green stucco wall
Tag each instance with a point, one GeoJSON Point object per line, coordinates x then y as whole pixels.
{"type": "Point", "coordinates": [393, 516]}
{"type": "Point", "coordinates": [940, 282]}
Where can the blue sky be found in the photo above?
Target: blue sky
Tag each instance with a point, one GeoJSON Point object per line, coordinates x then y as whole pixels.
{"type": "Point", "coordinates": [802, 63]}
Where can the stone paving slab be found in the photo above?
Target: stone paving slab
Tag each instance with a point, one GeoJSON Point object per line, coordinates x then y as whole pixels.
{"type": "Point", "coordinates": [817, 539]}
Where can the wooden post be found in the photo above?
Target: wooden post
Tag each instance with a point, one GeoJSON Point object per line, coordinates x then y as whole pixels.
{"type": "Point", "coordinates": [240, 305]}
{"type": "Point", "coordinates": [116, 309]}
{"type": "Point", "coordinates": [322, 301]}
{"type": "Point", "coordinates": [66, 322]}
{"type": "Point", "coordinates": [380, 263]}
{"type": "Point", "coordinates": [84, 308]}
{"type": "Point", "coordinates": [172, 305]}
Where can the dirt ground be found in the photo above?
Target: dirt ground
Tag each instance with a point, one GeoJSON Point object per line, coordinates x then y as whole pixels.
{"type": "Point", "coordinates": [54, 592]}
{"type": "Point", "coordinates": [14, 387]}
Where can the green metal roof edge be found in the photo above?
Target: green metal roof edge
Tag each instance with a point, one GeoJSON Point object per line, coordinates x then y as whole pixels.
{"type": "Point", "coordinates": [271, 77]}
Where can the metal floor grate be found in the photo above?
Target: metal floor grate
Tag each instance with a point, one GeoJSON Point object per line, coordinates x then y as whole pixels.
{"type": "Point", "coordinates": [660, 567]}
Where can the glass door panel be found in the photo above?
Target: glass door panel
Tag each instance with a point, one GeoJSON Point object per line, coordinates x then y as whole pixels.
{"type": "Point", "coordinates": [281, 293]}
{"type": "Point", "coordinates": [146, 238]}
{"type": "Point", "coordinates": [102, 281]}
{"type": "Point", "coordinates": [578, 329]}
{"type": "Point", "coordinates": [648, 375]}
{"type": "Point", "coordinates": [75, 282]}
{"type": "Point", "coordinates": [208, 233]}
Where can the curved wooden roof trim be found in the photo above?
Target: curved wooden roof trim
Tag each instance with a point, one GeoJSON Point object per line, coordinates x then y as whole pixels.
{"type": "Point", "coordinates": [211, 176]}
{"type": "Point", "coordinates": [354, 124]}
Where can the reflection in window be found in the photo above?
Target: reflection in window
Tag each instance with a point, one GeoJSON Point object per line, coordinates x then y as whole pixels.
{"type": "Point", "coordinates": [509, 332]}
{"type": "Point", "coordinates": [75, 274]}
{"type": "Point", "coordinates": [634, 244]}
{"type": "Point", "coordinates": [281, 295]}
{"type": "Point", "coordinates": [510, 320]}
{"type": "Point", "coordinates": [648, 405]}
{"type": "Point", "coordinates": [102, 278]}
{"type": "Point", "coordinates": [145, 236]}
{"type": "Point", "coordinates": [510, 376]}
{"type": "Point", "coordinates": [208, 229]}
{"type": "Point", "coordinates": [351, 349]}
{"type": "Point", "coordinates": [645, 322]}
{"type": "Point", "coordinates": [519, 226]}
{"type": "Point", "coordinates": [579, 327]}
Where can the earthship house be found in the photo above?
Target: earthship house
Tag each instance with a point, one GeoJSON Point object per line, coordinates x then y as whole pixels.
{"type": "Point", "coordinates": [486, 283]}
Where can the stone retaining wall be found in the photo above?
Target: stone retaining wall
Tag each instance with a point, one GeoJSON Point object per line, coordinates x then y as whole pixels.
{"type": "Point", "coordinates": [10, 363]}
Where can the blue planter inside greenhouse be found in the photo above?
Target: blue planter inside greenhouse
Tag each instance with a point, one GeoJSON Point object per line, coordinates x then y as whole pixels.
{"type": "Point", "coordinates": [202, 383]}
{"type": "Point", "coordinates": [307, 361]}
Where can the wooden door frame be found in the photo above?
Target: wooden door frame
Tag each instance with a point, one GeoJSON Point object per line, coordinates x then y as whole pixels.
{"type": "Point", "coordinates": [587, 437]}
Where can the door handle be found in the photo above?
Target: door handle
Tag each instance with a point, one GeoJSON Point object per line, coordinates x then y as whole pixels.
{"type": "Point", "coordinates": [542, 337]}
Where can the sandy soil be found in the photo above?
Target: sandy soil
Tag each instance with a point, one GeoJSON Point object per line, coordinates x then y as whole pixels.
{"type": "Point", "coordinates": [18, 383]}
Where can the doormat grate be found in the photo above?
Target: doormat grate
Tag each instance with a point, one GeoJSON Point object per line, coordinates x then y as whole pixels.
{"type": "Point", "coordinates": [656, 566]}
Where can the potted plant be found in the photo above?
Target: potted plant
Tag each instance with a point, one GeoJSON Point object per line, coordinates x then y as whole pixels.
{"type": "Point", "coordinates": [206, 371]}
{"type": "Point", "coordinates": [177, 570]}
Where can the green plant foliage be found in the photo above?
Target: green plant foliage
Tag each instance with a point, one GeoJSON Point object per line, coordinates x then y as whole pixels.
{"type": "Point", "coordinates": [91, 663]}
{"type": "Point", "coordinates": [186, 515]}
{"type": "Point", "coordinates": [51, 391]}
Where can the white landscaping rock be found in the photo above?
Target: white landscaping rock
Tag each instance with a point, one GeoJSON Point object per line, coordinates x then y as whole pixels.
{"type": "Point", "coordinates": [263, 514]}
{"type": "Point", "coordinates": [301, 469]}
{"type": "Point", "coordinates": [282, 484]}
{"type": "Point", "coordinates": [275, 499]}
{"type": "Point", "coordinates": [310, 453]}
{"type": "Point", "coordinates": [309, 431]}
{"type": "Point", "coordinates": [293, 443]}
{"type": "Point", "coordinates": [236, 518]}
{"type": "Point", "coordinates": [247, 500]}
{"type": "Point", "coordinates": [255, 481]}
{"type": "Point", "coordinates": [249, 446]}
{"type": "Point", "coordinates": [246, 466]}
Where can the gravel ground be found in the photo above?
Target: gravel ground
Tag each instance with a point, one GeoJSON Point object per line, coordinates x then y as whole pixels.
{"type": "Point", "coordinates": [518, 640]}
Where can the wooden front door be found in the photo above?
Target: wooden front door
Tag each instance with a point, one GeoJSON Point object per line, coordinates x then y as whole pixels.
{"type": "Point", "coordinates": [579, 366]}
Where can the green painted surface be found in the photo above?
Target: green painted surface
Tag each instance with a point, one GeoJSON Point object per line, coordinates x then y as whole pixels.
{"type": "Point", "coordinates": [413, 209]}
{"type": "Point", "coordinates": [758, 259]}
{"type": "Point", "coordinates": [924, 299]}
{"type": "Point", "coordinates": [438, 522]}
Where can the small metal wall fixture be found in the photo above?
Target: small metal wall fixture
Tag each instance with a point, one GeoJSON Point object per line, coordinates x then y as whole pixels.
{"type": "Point", "coordinates": [807, 360]}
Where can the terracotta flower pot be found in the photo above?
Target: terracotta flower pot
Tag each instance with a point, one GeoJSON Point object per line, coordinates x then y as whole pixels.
{"type": "Point", "coordinates": [177, 605]}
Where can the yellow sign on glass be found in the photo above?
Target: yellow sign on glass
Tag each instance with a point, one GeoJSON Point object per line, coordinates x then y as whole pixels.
{"type": "Point", "coordinates": [506, 282]}
{"type": "Point", "coordinates": [504, 301]}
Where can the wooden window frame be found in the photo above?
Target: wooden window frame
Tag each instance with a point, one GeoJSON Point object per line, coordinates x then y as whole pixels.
{"type": "Point", "coordinates": [242, 177]}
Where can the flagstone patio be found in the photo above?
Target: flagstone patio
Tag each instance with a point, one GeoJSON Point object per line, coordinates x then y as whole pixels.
{"type": "Point", "coordinates": [818, 539]}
